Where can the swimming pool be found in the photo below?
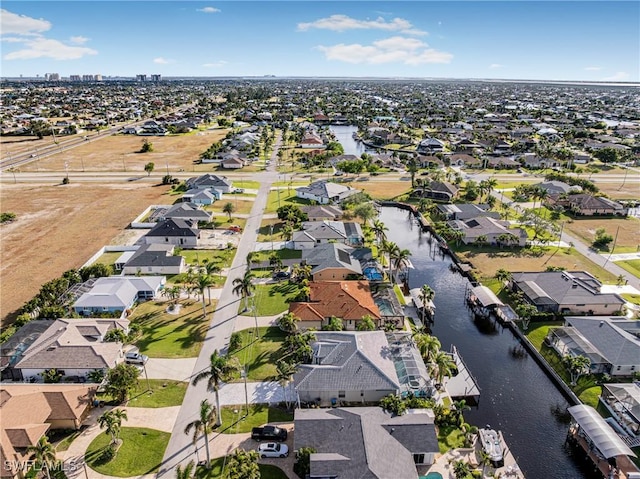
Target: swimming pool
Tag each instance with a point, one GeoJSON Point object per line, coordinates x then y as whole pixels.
{"type": "Point", "coordinates": [432, 475]}
{"type": "Point", "coordinates": [372, 274]}
{"type": "Point", "coordinates": [385, 306]}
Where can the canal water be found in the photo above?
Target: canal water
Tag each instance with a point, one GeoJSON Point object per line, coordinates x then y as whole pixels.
{"type": "Point", "coordinates": [516, 395]}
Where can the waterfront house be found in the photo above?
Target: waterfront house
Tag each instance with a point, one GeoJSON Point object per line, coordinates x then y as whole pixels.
{"type": "Point", "coordinates": [566, 292]}
{"type": "Point", "coordinates": [30, 411]}
{"type": "Point", "coordinates": [325, 192]}
{"type": "Point", "coordinates": [313, 141]}
{"type": "Point", "coordinates": [114, 295]}
{"type": "Point", "coordinates": [490, 231]}
{"type": "Point", "coordinates": [347, 300]}
{"type": "Point", "coordinates": [74, 347]}
{"type": "Point", "coordinates": [622, 400]}
{"type": "Point", "coordinates": [174, 231]}
{"type": "Point", "coordinates": [465, 211]}
{"type": "Point", "coordinates": [156, 259]}
{"type": "Point", "coordinates": [437, 191]}
{"type": "Point", "coordinates": [347, 367]}
{"type": "Point", "coordinates": [611, 344]}
{"type": "Point", "coordinates": [366, 442]}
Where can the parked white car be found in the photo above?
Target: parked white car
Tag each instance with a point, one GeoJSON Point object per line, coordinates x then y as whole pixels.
{"type": "Point", "coordinates": [273, 449]}
{"type": "Point", "coordinates": [134, 357]}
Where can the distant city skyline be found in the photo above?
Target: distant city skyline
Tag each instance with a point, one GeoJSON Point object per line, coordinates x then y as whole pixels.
{"type": "Point", "coordinates": [517, 40]}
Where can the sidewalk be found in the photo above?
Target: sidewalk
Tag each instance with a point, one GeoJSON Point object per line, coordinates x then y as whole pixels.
{"type": "Point", "coordinates": [248, 322]}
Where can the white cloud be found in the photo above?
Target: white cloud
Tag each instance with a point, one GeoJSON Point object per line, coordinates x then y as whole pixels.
{"type": "Point", "coordinates": [593, 69]}
{"type": "Point", "coordinates": [342, 23]}
{"type": "Point", "coordinates": [12, 23]}
{"type": "Point", "coordinates": [78, 40]}
{"type": "Point", "coordinates": [13, 39]}
{"type": "Point", "coordinates": [41, 47]}
{"type": "Point", "coordinates": [162, 61]}
{"type": "Point", "coordinates": [409, 51]}
{"type": "Point", "coordinates": [218, 64]}
{"type": "Point", "coordinates": [618, 76]}
{"type": "Point", "coordinates": [496, 65]}
{"type": "Point", "coordinates": [208, 10]}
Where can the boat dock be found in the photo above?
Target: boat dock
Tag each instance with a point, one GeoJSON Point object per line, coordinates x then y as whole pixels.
{"type": "Point", "coordinates": [462, 385]}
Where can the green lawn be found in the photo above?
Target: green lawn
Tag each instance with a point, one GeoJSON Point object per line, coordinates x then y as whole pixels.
{"type": "Point", "coordinates": [164, 393]}
{"type": "Point", "coordinates": [259, 414]}
{"type": "Point", "coordinates": [222, 257]}
{"type": "Point", "coordinates": [399, 294]}
{"type": "Point", "coordinates": [241, 206]}
{"type": "Point", "coordinates": [272, 298]}
{"type": "Point", "coordinates": [140, 453]}
{"type": "Point", "coordinates": [249, 184]}
{"type": "Point", "coordinates": [259, 357]}
{"type": "Point", "coordinates": [167, 335]}
{"type": "Point", "coordinates": [632, 266]}
{"type": "Point", "coordinates": [109, 257]}
{"type": "Point", "coordinates": [281, 253]}
{"type": "Point", "coordinates": [450, 437]}
{"type": "Point", "coordinates": [287, 197]}
{"type": "Point", "coordinates": [267, 471]}
{"type": "Point", "coordinates": [632, 298]}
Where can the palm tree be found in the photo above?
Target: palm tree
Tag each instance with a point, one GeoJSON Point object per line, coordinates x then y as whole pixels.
{"type": "Point", "coordinates": [244, 287]}
{"type": "Point", "coordinates": [204, 282]}
{"type": "Point", "coordinates": [186, 472]}
{"type": "Point", "coordinates": [285, 372]}
{"type": "Point", "coordinates": [461, 469]}
{"type": "Point", "coordinates": [379, 229]}
{"type": "Point", "coordinates": [503, 276]}
{"type": "Point", "coordinates": [428, 345]}
{"type": "Point", "coordinates": [426, 296]}
{"type": "Point", "coordinates": [221, 368]}
{"type": "Point", "coordinates": [228, 208]}
{"type": "Point", "coordinates": [111, 421]}
{"type": "Point", "coordinates": [460, 407]}
{"type": "Point", "coordinates": [203, 425]}
{"type": "Point", "coordinates": [389, 248]}
{"type": "Point", "coordinates": [401, 258]}
{"type": "Point", "coordinates": [577, 366]}
{"type": "Point", "coordinates": [43, 453]}
{"type": "Point", "coordinates": [444, 365]}
{"type": "Point", "coordinates": [288, 322]}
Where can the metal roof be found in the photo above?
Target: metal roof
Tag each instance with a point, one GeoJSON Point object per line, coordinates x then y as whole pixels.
{"type": "Point", "coordinates": [485, 296]}
{"type": "Point", "coordinates": [602, 435]}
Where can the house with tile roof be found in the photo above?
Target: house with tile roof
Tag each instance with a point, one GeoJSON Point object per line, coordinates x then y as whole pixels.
{"type": "Point", "coordinates": [366, 442]}
{"type": "Point", "coordinates": [347, 366]}
{"type": "Point", "coordinates": [174, 231]}
{"type": "Point", "coordinates": [587, 205]}
{"type": "Point", "coordinates": [566, 292]}
{"type": "Point", "coordinates": [325, 192]}
{"type": "Point", "coordinates": [29, 411]}
{"type": "Point", "coordinates": [611, 344]}
{"type": "Point", "coordinates": [75, 347]}
{"type": "Point", "coordinates": [347, 300]}
{"type": "Point", "coordinates": [331, 262]}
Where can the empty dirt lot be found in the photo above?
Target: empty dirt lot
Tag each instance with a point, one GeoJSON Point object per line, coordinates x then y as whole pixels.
{"type": "Point", "coordinates": [59, 228]}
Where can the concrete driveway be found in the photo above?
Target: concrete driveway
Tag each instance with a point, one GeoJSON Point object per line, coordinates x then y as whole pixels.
{"type": "Point", "coordinates": [176, 369]}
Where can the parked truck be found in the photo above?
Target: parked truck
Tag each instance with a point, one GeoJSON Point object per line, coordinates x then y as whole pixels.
{"type": "Point", "coordinates": [269, 433]}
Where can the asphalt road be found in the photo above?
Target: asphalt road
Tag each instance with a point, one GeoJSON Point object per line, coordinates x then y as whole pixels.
{"type": "Point", "coordinates": [180, 449]}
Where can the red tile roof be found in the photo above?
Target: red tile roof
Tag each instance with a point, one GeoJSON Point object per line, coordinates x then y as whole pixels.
{"type": "Point", "coordinates": [349, 300]}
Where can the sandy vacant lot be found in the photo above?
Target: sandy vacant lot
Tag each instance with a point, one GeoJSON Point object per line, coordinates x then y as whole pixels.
{"type": "Point", "coordinates": [119, 153]}
{"type": "Point", "coordinates": [627, 230]}
{"type": "Point", "coordinates": [61, 227]}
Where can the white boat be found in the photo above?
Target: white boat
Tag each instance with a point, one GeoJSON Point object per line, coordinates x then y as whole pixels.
{"type": "Point", "coordinates": [490, 441]}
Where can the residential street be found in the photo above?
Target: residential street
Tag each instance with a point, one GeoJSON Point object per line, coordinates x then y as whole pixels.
{"type": "Point", "coordinates": [180, 449]}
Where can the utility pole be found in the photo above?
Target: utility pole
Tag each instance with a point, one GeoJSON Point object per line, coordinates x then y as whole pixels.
{"type": "Point", "coordinates": [615, 240]}
{"type": "Point", "coordinates": [244, 373]}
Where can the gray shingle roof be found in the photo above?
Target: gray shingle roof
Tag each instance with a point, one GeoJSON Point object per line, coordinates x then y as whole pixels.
{"type": "Point", "coordinates": [349, 361]}
{"type": "Point", "coordinates": [331, 255]}
{"type": "Point", "coordinates": [364, 442]}
{"type": "Point", "coordinates": [174, 227]}
{"type": "Point", "coordinates": [154, 255]}
{"type": "Point", "coordinates": [609, 338]}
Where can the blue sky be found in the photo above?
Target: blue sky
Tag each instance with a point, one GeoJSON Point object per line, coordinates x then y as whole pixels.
{"type": "Point", "coordinates": [541, 40]}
